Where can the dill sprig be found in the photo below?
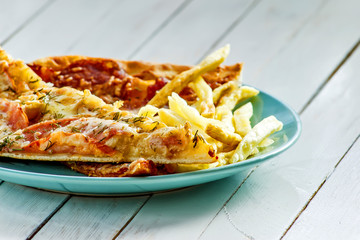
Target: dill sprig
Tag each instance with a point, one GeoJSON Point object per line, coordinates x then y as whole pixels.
{"type": "Point", "coordinates": [75, 130]}
{"type": "Point", "coordinates": [49, 145]}
{"type": "Point", "coordinates": [58, 115]}
{"type": "Point", "coordinates": [196, 138]}
{"type": "Point", "coordinates": [7, 142]}
{"type": "Point", "coordinates": [116, 116]}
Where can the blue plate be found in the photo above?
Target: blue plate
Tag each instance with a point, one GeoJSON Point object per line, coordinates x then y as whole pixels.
{"type": "Point", "coordinates": [54, 176]}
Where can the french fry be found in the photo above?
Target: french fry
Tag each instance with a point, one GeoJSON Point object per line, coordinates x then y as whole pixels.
{"type": "Point", "coordinates": [248, 92]}
{"type": "Point", "coordinates": [261, 131]}
{"type": "Point", "coordinates": [180, 81]}
{"type": "Point", "coordinates": [230, 100]}
{"type": "Point", "coordinates": [223, 110]}
{"type": "Point", "coordinates": [179, 105]}
{"type": "Point", "coordinates": [224, 114]}
{"type": "Point", "coordinates": [227, 103]}
{"type": "Point", "coordinates": [222, 90]}
{"type": "Point", "coordinates": [222, 135]}
{"type": "Point", "coordinates": [266, 142]}
{"type": "Point", "coordinates": [170, 118]}
{"type": "Point", "coordinates": [205, 104]}
{"type": "Point", "coordinates": [241, 119]}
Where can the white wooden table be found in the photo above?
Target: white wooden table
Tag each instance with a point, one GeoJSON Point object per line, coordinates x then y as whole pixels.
{"type": "Point", "coordinates": [305, 53]}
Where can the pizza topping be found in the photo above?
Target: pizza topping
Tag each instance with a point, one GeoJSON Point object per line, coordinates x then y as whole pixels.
{"type": "Point", "coordinates": [134, 83]}
{"type": "Point", "coordinates": [107, 138]}
{"type": "Point", "coordinates": [82, 73]}
{"type": "Point", "coordinates": [13, 115]}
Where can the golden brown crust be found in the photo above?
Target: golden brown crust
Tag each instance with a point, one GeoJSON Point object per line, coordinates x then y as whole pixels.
{"type": "Point", "coordinates": [140, 167]}
{"type": "Point", "coordinates": [134, 82]}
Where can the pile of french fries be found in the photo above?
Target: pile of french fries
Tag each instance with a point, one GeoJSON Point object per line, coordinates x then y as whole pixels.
{"type": "Point", "coordinates": [212, 116]}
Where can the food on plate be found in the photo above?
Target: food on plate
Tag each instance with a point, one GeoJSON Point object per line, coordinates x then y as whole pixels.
{"type": "Point", "coordinates": [115, 118]}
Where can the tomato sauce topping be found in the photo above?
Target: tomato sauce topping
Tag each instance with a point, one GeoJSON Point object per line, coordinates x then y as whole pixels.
{"type": "Point", "coordinates": [14, 115]}
{"type": "Point", "coordinates": [92, 71]}
{"type": "Point", "coordinates": [104, 78]}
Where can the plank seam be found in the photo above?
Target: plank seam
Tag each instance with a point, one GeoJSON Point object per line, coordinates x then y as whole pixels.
{"type": "Point", "coordinates": [230, 28]}
{"type": "Point", "coordinates": [47, 219]}
{"type": "Point", "coordinates": [327, 80]}
{"type": "Point", "coordinates": [321, 185]}
{"type": "Point", "coordinates": [131, 218]}
{"type": "Point", "coordinates": [161, 26]}
{"type": "Point", "coordinates": [85, 31]}
{"type": "Point", "coordinates": [28, 21]}
{"type": "Point", "coordinates": [226, 202]}
{"type": "Point", "coordinates": [292, 36]}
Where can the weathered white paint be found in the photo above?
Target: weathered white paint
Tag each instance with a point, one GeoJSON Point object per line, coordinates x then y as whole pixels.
{"type": "Point", "coordinates": [91, 28]}
{"type": "Point", "coordinates": [124, 28]}
{"type": "Point", "coordinates": [277, 191]}
{"type": "Point", "coordinates": [334, 211]}
{"type": "Point", "coordinates": [180, 214]}
{"type": "Point", "coordinates": [22, 209]}
{"type": "Point", "coordinates": [292, 64]}
{"type": "Point", "coordinates": [15, 13]}
{"type": "Point", "coordinates": [188, 36]}
{"type": "Point", "coordinates": [90, 218]}
{"type": "Point", "coordinates": [296, 71]}
{"type": "Point", "coordinates": [55, 29]}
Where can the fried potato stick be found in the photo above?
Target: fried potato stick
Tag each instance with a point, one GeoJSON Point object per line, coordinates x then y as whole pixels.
{"type": "Point", "coordinates": [222, 90]}
{"type": "Point", "coordinates": [180, 81]}
{"type": "Point", "coordinates": [222, 135]}
{"type": "Point", "coordinates": [204, 104]}
{"type": "Point", "coordinates": [250, 142]}
{"type": "Point", "coordinates": [241, 119]}
{"type": "Point", "coordinates": [179, 105]}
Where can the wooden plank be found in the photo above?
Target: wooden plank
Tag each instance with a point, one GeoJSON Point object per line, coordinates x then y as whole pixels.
{"type": "Point", "coordinates": [54, 34]}
{"type": "Point", "coordinates": [55, 29]}
{"type": "Point", "coordinates": [21, 214]}
{"type": "Point", "coordinates": [118, 35]}
{"type": "Point", "coordinates": [14, 14]}
{"type": "Point", "coordinates": [180, 214]}
{"type": "Point", "coordinates": [90, 218]}
{"type": "Point", "coordinates": [185, 39]}
{"type": "Point", "coordinates": [275, 193]}
{"type": "Point", "coordinates": [294, 71]}
{"type": "Point", "coordinates": [334, 213]}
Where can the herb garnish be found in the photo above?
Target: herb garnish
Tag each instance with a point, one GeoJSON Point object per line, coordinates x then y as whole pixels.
{"type": "Point", "coordinates": [49, 145]}
{"type": "Point", "coordinates": [58, 115]}
{"type": "Point", "coordinates": [7, 142]}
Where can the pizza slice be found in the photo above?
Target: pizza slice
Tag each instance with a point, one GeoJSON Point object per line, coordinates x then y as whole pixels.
{"type": "Point", "coordinates": [133, 82]}
{"type": "Point", "coordinates": [66, 124]}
